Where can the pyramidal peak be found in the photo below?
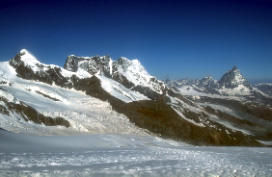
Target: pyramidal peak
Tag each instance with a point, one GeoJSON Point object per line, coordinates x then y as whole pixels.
{"type": "Point", "coordinates": [234, 68]}
{"type": "Point", "coordinates": [233, 78]}
{"type": "Point", "coordinates": [22, 51]}
{"type": "Point", "coordinates": [25, 58]}
{"type": "Point", "coordinates": [28, 58]}
{"type": "Point", "coordinates": [235, 74]}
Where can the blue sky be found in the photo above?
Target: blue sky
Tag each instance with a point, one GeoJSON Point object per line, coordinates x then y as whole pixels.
{"type": "Point", "coordinates": [175, 39]}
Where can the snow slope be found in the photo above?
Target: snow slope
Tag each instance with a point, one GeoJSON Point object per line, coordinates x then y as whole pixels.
{"type": "Point", "coordinates": [29, 59]}
{"type": "Point", "coordinates": [119, 91]}
{"type": "Point", "coordinates": [125, 155]}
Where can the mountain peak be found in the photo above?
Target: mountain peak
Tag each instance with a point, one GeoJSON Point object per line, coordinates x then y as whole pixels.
{"type": "Point", "coordinates": [23, 51]}
{"type": "Point", "coordinates": [28, 58]}
{"type": "Point", "coordinates": [24, 57]}
{"type": "Point", "coordinates": [133, 65]}
{"type": "Point", "coordinates": [234, 68]}
{"type": "Point", "coordinates": [92, 65]}
{"type": "Point", "coordinates": [233, 78]}
{"type": "Point", "coordinates": [236, 73]}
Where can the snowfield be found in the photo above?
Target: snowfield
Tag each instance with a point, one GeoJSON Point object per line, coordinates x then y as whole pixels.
{"type": "Point", "coordinates": [125, 155]}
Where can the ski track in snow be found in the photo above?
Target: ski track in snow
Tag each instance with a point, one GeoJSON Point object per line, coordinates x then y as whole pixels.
{"type": "Point", "coordinates": [125, 155]}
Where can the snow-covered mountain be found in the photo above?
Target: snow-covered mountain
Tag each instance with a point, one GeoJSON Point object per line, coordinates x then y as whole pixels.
{"type": "Point", "coordinates": [233, 79]}
{"type": "Point", "coordinates": [102, 95]}
{"type": "Point", "coordinates": [129, 73]}
{"type": "Point", "coordinates": [194, 87]}
{"type": "Point", "coordinates": [232, 83]}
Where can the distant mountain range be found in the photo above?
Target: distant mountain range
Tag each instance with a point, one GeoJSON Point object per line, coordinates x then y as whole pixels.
{"type": "Point", "coordinates": [232, 83]}
{"type": "Point", "coordinates": [101, 95]}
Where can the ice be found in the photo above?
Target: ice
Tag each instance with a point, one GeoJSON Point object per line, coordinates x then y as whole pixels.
{"type": "Point", "coordinates": [125, 155]}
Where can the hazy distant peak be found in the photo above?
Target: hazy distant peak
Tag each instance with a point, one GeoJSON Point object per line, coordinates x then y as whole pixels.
{"type": "Point", "coordinates": [234, 82]}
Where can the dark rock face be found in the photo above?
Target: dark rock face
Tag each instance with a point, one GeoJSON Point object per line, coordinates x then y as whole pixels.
{"type": "Point", "coordinates": [30, 114]}
{"type": "Point", "coordinates": [92, 87]}
{"type": "Point", "coordinates": [92, 65]}
{"type": "Point", "coordinates": [148, 92]}
{"type": "Point", "coordinates": [16, 61]}
{"type": "Point", "coordinates": [55, 76]}
{"type": "Point", "coordinates": [48, 75]}
{"type": "Point", "coordinates": [47, 96]}
{"type": "Point", "coordinates": [158, 117]}
{"type": "Point", "coordinates": [250, 116]}
{"type": "Point", "coordinates": [122, 80]}
{"type": "Point", "coordinates": [71, 63]}
{"type": "Point", "coordinates": [3, 109]}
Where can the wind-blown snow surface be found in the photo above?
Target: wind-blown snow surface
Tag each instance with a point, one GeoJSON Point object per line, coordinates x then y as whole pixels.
{"type": "Point", "coordinates": [125, 155]}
